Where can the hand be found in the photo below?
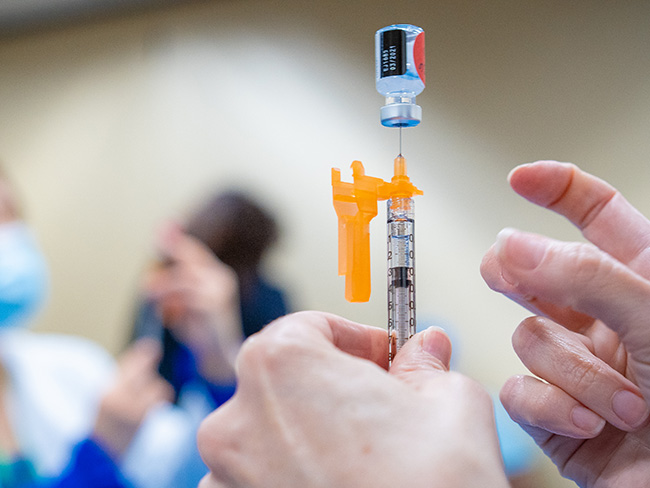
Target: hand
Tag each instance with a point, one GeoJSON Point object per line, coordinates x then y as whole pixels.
{"type": "Point", "coordinates": [198, 298]}
{"type": "Point", "coordinates": [137, 388]}
{"type": "Point", "coordinates": [315, 407]}
{"type": "Point", "coordinates": [591, 341]}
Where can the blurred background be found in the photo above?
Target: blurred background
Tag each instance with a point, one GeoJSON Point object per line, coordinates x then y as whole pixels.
{"type": "Point", "coordinates": [116, 115]}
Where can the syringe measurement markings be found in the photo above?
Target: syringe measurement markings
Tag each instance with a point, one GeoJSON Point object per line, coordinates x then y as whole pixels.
{"type": "Point", "coordinates": [401, 291]}
{"type": "Point", "coordinates": [400, 239]}
{"type": "Point", "coordinates": [402, 319]}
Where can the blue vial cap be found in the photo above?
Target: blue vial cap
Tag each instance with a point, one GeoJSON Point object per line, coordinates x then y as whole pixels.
{"type": "Point", "coordinates": [400, 115]}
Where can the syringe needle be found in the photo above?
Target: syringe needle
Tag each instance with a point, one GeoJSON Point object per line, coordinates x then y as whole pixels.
{"type": "Point", "coordinates": [400, 140]}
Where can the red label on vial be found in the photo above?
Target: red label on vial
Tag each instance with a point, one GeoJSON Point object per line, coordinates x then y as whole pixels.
{"type": "Point", "coordinates": [418, 56]}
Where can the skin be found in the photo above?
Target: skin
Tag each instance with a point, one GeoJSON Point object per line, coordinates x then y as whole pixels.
{"type": "Point", "coordinates": [317, 407]}
{"type": "Point", "coordinates": [136, 389]}
{"type": "Point", "coordinates": [589, 343]}
{"type": "Point", "coordinates": [198, 297]}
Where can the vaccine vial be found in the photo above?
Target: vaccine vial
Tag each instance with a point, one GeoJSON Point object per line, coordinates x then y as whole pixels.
{"type": "Point", "coordinates": [399, 73]}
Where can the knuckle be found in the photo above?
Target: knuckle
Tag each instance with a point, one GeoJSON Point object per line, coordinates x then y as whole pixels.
{"type": "Point", "coordinates": [524, 405]}
{"type": "Point", "coordinates": [589, 264]}
{"type": "Point", "coordinates": [582, 373]}
{"type": "Point", "coordinates": [467, 387]}
{"type": "Point", "coordinates": [270, 349]}
{"type": "Point", "coordinates": [216, 443]}
{"type": "Point", "coordinates": [248, 352]}
{"type": "Point", "coordinates": [209, 439]}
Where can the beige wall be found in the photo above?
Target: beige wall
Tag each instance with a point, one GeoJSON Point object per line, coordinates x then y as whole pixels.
{"type": "Point", "coordinates": [113, 127]}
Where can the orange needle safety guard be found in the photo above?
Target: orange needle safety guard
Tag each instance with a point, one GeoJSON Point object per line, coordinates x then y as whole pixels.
{"type": "Point", "coordinates": [355, 204]}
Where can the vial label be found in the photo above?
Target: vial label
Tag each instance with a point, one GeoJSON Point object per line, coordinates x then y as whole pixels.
{"type": "Point", "coordinates": [393, 53]}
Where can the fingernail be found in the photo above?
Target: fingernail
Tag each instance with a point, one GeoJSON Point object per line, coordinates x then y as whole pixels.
{"type": "Point", "coordinates": [515, 169]}
{"type": "Point", "coordinates": [586, 420]}
{"type": "Point", "coordinates": [629, 407]}
{"type": "Point", "coordinates": [520, 249]}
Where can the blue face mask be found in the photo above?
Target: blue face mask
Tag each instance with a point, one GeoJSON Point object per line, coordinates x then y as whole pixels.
{"type": "Point", "coordinates": [23, 275]}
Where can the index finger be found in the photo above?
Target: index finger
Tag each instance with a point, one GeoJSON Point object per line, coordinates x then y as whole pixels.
{"type": "Point", "coordinates": [603, 215]}
{"type": "Point", "coordinates": [322, 330]}
{"type": "Point", "coordinates": [492, 272]}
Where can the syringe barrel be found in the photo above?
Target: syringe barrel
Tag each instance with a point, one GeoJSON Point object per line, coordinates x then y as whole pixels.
{"type": "Point", "coordinates": [401, 273]}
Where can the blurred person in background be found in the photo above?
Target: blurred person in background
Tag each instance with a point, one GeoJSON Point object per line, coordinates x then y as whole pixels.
{"type": "Point", "coordinates": [207, 294]}
{"type": "Point", "coordinates": [70, 417]}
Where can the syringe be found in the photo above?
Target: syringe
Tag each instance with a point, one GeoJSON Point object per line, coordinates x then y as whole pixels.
{"type": "Point", "coordinates": [401, 267]}
{"type": "Point", "coordinates": [400, 77]}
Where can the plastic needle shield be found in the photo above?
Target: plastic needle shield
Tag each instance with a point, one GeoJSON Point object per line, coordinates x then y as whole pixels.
{"type": "Point", "coordinates": [355, 204]}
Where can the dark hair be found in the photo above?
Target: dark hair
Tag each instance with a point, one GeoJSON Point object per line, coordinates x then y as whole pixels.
{"type": "Point", "coordinates": [235, 228]}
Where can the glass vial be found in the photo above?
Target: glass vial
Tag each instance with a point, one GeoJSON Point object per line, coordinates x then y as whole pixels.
{"type": "Point", "coordinates": [399, 73]}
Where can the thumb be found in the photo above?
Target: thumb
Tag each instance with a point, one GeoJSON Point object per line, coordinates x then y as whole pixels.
{"type": "Point", "coordinates": [425, 354]}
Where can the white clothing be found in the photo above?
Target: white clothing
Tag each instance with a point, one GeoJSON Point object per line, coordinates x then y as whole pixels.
{"type": "Point", "coordinates": [56, 383]}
